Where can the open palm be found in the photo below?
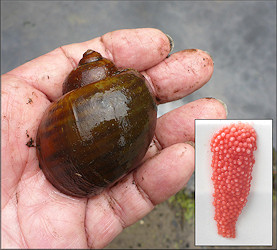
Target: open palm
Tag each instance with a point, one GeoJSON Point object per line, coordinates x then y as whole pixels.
{"type": "Point", "coordinates": [34, 213]}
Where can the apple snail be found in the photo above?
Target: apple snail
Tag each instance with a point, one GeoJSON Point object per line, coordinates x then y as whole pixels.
{"type": "Point", "coordinates": [99, 130]}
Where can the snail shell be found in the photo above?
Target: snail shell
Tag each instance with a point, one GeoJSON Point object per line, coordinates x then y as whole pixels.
{"type": "Point", "coordinates": [98, 131]}
{"type": "Point", "coordinates": [91, 68]}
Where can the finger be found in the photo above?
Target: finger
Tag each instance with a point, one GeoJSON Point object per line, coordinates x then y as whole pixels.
{"type": "Point", "coordinates": [180, 74]}
{"type": "Point", "coordinates": [178, 125]}
{"type": "Point", "coordinates": [137, 194]}
{"type": "Point", "coordinates": [134, 48]}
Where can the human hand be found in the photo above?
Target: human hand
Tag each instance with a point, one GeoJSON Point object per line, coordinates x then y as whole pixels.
{"type": "Point", "coordinates": [34, 213]}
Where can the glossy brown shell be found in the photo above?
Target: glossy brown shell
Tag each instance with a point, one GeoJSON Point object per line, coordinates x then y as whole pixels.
{"type": "Point", "coordinates": [94, 135]}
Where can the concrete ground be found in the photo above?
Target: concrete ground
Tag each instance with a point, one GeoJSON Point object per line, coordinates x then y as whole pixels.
{"type": "Point", "coordinates": [163, 228]}
{"type": "Point", "coordinates": [240, 36]}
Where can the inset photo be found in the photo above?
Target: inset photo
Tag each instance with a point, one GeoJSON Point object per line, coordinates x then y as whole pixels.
{"type": "Point", "coordinates": [233, 182]}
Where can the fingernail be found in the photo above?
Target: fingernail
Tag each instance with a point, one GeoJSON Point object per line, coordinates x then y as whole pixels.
{"type": "Point", "coordinates": [224, 105]}
{"type": "Point", "coordinates": [209, 54]}
{"type": "Point", "coordinates": [190, 143]}
{"type": "Point", "coordinates": [171, 42]}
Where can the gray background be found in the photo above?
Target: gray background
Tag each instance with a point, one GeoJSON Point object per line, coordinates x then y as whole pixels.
{"type": "Point", "coordinates": [240, 36]}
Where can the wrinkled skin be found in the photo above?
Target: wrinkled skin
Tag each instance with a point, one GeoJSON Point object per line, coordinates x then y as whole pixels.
{"type": "Point", "coordinates": [34, 213]}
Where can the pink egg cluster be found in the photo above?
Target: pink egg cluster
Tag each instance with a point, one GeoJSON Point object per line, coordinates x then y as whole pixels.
{"type": "Point", "coordinates": [232, 164]}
